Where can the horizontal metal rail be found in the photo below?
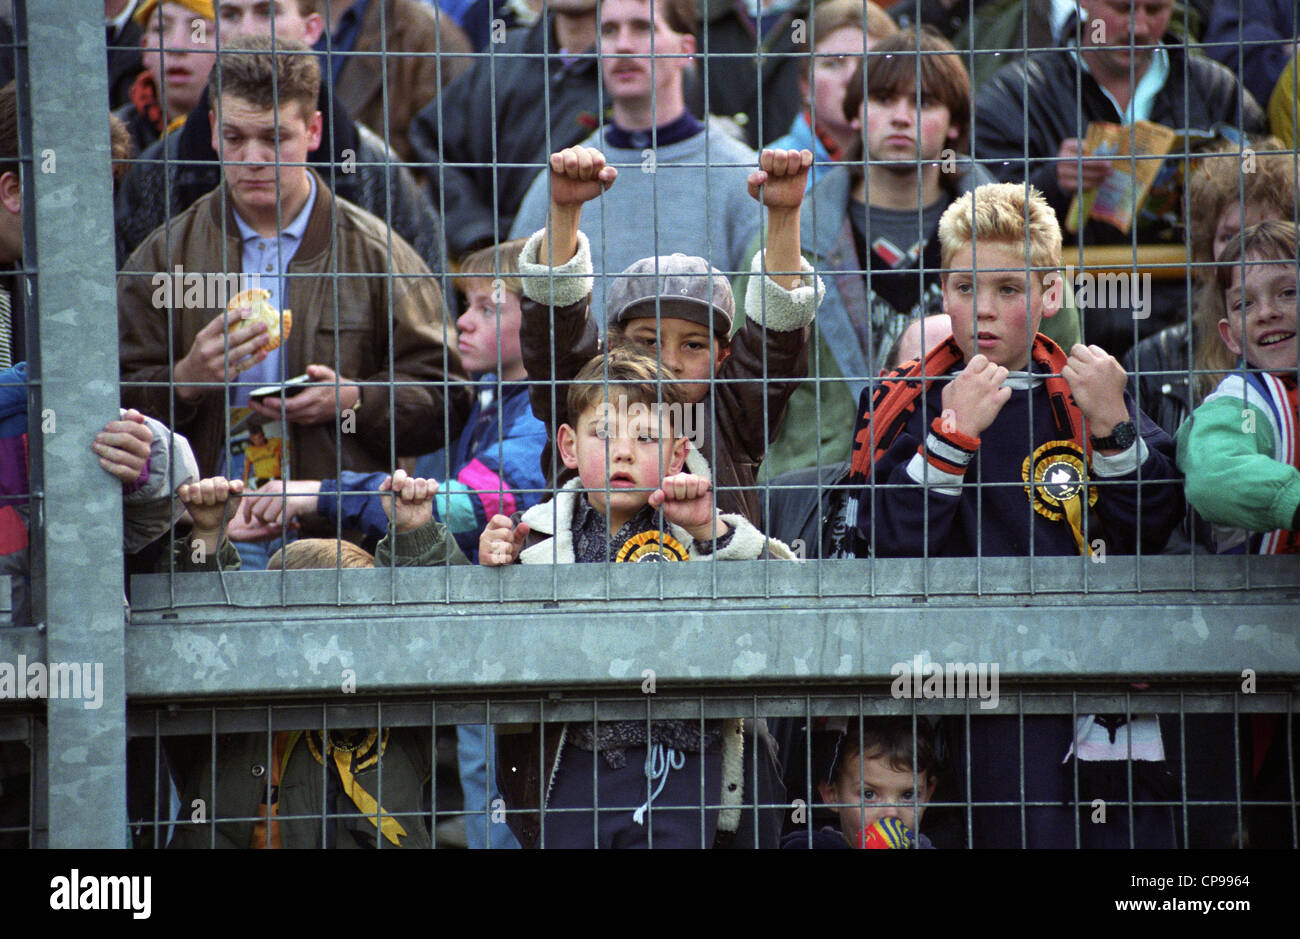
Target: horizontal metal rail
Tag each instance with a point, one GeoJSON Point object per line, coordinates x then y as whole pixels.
{"type": "Point", "coordinates": [170, 719]}
{"type": "Point", "coordinates": [762, 626]}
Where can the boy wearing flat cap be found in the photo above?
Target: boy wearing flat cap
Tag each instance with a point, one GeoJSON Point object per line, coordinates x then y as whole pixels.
{"type": "Point", "coordinates": [679, 310]}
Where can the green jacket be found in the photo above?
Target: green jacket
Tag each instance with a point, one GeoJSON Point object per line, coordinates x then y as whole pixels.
{"type": "Point", "coordinates": [304, 788]}
{"type": "Point", "coordinates": [1241, 458]}
{"type": "Point", "coordinates": [225, 817]}
{"type": "Point", "coordinates": [428, 546]}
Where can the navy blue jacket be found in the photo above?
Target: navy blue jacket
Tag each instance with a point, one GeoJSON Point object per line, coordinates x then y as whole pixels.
{"type": "Point", "coordinates": [905, 519]}
{"type": "Point", "coordinates": [495, 469]}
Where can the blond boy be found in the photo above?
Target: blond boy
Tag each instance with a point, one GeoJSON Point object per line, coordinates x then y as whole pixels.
{"type": "Point", "coordinates": [998, 443]}
{"type": "Point", "coordinates": [1051, 418]}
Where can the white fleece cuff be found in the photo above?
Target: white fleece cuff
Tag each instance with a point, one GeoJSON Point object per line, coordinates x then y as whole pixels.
{"type": "Point", "coordinates": [1122, 463]}
{"type": "Point", "coordinates": [746, 544]}
{"type": "Point", "coordinates": [152, 509]}
{"type": "Point", "coordinates": [920, 471]}
{"type": "Point", "coordinates": [562, 285]}
{"type": "Point", "coordinates": [697, 463]}
{"type": "Point", "coordinates": [769, 303]}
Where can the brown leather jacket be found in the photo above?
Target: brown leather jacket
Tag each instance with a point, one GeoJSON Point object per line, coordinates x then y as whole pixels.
{"type": "Point", "coordinates": [748, 381]}
{"type": "Point", "coordinates": [153, 336]}
{"type": "Point", "coordinates": [408, 26]}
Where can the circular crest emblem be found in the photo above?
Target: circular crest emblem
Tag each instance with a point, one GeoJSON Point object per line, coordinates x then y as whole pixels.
{"type": "Point", "coordinates": [652, 546]}
{"type": "Point", "coordinates": [365, 745]}
{"type": "Point", "coordinates": [1054, 478]}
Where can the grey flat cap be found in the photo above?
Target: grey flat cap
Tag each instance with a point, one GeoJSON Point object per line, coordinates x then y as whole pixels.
{"type": "Point", "coordinates": [686, 288]}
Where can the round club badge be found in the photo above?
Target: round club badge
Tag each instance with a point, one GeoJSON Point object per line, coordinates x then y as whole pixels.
{"type": "Point", "coordinates": [366, 746]}
{"type": "Point", "coordinates": [1057, 478]}
{"type": "Point", "coordinates": [1054, 482]}
{"type": "Point", "coordinates": [652, 546]}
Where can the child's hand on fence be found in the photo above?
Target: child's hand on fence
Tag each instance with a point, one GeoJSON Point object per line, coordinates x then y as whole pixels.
{"type": "Point", "coordinates": [275, 504]}
{"type": "Point", "coordinates": [687, 501]}
{"type": "Point", "coordinates": [1097, 381]}
{"type": "Point", "coordinates": [578, 175]}
{"type": "Point", "coordinates": [501, 541]}
{"type": "Point", "coordinates": [781, 178]}
{"type": "Point", "coordinates": [123, 447]}
{"type": "Point", "coordinates": [210, 503]}
{"type": "Point", "coordinates": [412, 504]}
{"type": "Point", "coordinates": [973, 400]}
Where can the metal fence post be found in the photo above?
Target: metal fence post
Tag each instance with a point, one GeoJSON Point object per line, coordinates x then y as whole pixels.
{"type": "Point", "coordinates": [77, 518]}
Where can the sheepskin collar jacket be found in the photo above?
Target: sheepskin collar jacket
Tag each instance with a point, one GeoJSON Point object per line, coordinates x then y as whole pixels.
{"type": "Point", "coordinates": [546, 545]}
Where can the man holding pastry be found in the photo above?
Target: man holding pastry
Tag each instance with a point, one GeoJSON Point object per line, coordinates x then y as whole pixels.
{"type": "Point", "coordinates": [214, 353]}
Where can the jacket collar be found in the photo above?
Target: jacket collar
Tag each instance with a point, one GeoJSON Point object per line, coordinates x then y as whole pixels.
{"type": "Point", "coordinates": [545, 517]}
{"type": "Point", "coordinates": [821, 228]}
{"type": "Point", "coordinates": [316, 237]}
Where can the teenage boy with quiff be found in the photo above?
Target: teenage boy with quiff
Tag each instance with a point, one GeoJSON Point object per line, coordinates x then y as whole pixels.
{"type": "Point", "coordinates": [355, 162]}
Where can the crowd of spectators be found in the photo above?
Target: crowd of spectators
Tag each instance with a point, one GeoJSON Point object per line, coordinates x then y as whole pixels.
{"type": "Point", "coordinates": [509, 282]}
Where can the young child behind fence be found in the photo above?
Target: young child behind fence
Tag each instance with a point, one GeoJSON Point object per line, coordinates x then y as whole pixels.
{"type": "Point", "coordinates": [273, 795]}
{"type": "Point", "coordinates": [492, 468]}
{"type": "Point", "coordinates": [877, 776]}
{"type": "Point", "coordinates": [630, 502]}
{"type": "Point", "coordinates": [1240, 449]}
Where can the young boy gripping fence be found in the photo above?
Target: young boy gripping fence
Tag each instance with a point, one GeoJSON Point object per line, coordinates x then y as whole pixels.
{"type": "Point", "coordinates": [678, 309]}
{"type": "Point", "coordinates": [928, 426]}
{"type": "Point", "coordinates": [1241, 449]}
{"type": "Point", "coordinates": [998, 443]}
{"type": "Point", "coordinates": [630, 502]}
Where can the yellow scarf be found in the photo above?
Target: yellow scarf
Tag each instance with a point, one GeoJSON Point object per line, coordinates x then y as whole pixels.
{"type": "Point", "coordinates": [351, 760]}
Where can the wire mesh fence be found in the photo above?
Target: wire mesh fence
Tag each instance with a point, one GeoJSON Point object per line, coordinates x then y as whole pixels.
{"type": "Point", "coordinates": [976, 777]}
{"type": "Point", "coordinates": [344, 250]}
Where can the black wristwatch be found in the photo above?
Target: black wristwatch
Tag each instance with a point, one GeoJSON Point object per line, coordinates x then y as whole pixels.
{"type": "Point", "coordinates": [1121, 437]}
